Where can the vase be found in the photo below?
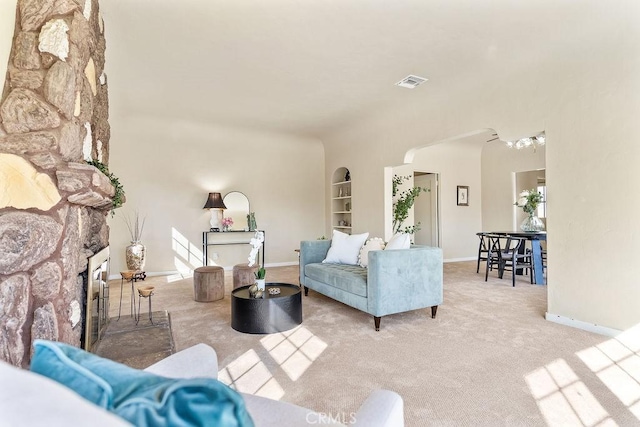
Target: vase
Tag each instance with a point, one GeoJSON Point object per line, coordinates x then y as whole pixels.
{"type": "Point", "coordinates": [261, 284]}
{"type": "Point", "coordinates": [135, 254]}
{"type": "Point", "coordinates": [251, 221]}
{"type": "Point", "coordinates": [532, 223]}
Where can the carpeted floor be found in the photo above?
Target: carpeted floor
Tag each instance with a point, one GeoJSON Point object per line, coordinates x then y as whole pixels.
{"type": "Point", "coordinates": [489, 358]}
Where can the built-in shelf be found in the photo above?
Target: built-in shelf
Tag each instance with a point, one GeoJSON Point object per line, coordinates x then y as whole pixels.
{"type": "Point", "coordinates": [341, 200]}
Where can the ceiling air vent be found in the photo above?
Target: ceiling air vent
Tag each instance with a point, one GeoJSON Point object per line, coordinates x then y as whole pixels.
{"type": "Point", "coordinates": [411, 81]}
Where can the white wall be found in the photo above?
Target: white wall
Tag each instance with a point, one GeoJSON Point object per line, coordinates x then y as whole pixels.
{"type": "Point", "coordinates": [498, 166]}
{"type": "Point", "coordinates": [457, 163]}
{"type": "Point", "coordinates": [7, 26]}
{"type": "Point", "coordinates": [169, 167]}
{"type": "Point", "coordinates": [592, 152]}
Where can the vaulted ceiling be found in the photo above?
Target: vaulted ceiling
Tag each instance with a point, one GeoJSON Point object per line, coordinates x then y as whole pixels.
{"type": "Point", "coordinates": [310, 67]}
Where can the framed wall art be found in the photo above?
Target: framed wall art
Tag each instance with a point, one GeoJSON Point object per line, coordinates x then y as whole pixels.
{"type": "Point", "coordinates": [463, 195]}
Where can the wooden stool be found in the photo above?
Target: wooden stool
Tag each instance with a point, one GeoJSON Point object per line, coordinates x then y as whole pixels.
{"type": "Point", "coordinates": [208, 283]}
{"type": "Point", "coordinates": [243, 275]}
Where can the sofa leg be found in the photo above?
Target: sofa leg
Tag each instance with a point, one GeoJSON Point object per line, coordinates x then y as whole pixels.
{"type": "Point", "coordinates": [306, 291]}
{"type": "Point", "coordinates": [376, 322]}
{"type": "Point", "coordinates": [433, 311]}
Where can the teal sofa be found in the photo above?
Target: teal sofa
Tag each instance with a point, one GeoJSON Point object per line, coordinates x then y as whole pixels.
{"type": "Point", "coordinates": [395, 280]}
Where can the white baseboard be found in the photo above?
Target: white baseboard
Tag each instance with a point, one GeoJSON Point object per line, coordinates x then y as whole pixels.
{"type": "Point", "coordinates": [228, 268]}
{"type": "Point", "coordinates": [460, 259]}
{"type": "Point", "coordinates": [274, 264]}
{"type": "Point", "coordinates": [282, 264]}
{"type": "Point", "coordinates": [579, 324]}
{"type": "Point", "coordinates": [148, 273]}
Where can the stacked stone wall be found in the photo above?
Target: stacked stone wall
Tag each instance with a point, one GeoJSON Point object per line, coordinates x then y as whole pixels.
{"type": "Point", "coordinates": [53, 205]}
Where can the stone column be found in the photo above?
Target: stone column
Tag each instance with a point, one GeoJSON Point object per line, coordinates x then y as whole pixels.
{"type": "Point", "coordinates": [53, 205]}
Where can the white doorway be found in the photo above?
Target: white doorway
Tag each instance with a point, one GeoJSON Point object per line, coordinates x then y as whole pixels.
{"type": "Point", "coordinates": [426, 210]}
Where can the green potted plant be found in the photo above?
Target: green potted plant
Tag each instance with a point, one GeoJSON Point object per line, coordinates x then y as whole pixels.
{"type": "Point", "coordinates": [403, 202]}
{"type": "Point", "coordinates": [529, 200]}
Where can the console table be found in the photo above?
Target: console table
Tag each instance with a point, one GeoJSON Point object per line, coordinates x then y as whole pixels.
{"type": "Point", "coordinates": [213, 238]}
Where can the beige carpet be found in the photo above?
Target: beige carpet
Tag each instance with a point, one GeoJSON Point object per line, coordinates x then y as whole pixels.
{"type": "Point", "coordinates": [489, 358]}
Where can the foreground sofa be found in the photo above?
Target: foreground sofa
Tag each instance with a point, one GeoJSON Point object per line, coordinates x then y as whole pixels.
{"type": "Point", "coordinates": [394, 281]}
{"type": "Point", "coordinates": [29, 399]}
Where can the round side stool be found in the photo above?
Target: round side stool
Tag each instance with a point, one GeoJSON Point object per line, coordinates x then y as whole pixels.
{"type": "Point", "coordinates": [208, 283]}
{"type": "Point", "coordinates": [243, 275]}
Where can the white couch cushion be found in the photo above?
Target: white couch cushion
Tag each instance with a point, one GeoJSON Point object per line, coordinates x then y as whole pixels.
{"type": "Point", "coordinates": [345, 248]}
{"type": "Point", "coordinates": [399, 241]}
{"type": "Point", "coordinates": [373, 244]}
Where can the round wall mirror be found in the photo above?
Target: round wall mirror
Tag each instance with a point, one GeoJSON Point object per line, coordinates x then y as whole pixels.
{"type": "Point", "coordinates": [237, 209]}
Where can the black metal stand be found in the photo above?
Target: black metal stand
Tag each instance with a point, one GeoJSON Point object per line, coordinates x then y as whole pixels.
{"type": "Point", "coordinates": [140, 296]}
{"type": "Point", "coordinates": [132, 304]}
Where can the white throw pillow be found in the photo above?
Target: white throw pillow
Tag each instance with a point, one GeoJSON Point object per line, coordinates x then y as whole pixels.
{"type": "Point", "coordinates": [345, 248]}
{"type": "Point", "coordinates": [373, 244]}
{"type": "Point", "coordinates": [399, 241]}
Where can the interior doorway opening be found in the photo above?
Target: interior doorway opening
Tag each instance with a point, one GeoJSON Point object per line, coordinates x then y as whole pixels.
{"type": "Point", "coordinates": [426, 209]}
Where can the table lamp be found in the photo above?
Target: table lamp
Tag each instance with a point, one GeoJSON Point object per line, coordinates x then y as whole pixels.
{"type": "Point", "coordinates": [216, 205]}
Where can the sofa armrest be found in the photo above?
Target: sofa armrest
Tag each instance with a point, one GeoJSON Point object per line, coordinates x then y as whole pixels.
{"type": "Point", "coordinates": [404, 279]}
{"type": "Point", "coordinates": [30, 399]}
{"type": "Point", "coordinates": [383, 408]}
{"type": "Point", "coordinates": [198, 361]}
{"type": "Point", "coordinates": [312, 251]}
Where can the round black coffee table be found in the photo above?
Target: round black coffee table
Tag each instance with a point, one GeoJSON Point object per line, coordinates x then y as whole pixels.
{"type": "Point", "coordinates": [269, 314]}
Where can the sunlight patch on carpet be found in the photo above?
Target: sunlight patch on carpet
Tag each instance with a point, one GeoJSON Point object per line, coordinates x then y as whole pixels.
{"type": "Point", "coordinates": [563, 399]}
{"type": "Point", "coordinates": [616, 362]}
{"type": "Point", "coordinates": [294, 350]}
{"type": "Point", "coordinates": [248, 374]}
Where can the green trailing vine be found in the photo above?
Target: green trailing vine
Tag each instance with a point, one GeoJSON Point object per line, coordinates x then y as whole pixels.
{"type": "Point", "coordinates": [118, 197]}
{"type": "Point", "coordinates": [403, 204]}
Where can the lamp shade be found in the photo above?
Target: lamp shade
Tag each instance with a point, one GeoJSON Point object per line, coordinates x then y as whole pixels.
{"type": "Point", "coordinates": [214, 202]}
